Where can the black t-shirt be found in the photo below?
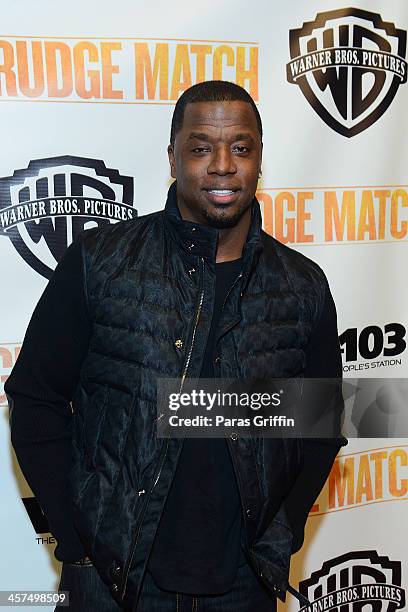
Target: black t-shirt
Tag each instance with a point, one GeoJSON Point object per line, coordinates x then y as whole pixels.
{"type": "Point", "coordinates": [197, 546]}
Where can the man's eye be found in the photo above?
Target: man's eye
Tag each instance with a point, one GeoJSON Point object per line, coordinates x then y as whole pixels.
{"type": "Point", "coordinates": [201, 150]}
{"type": "Point", "coordinates": [240, 149]}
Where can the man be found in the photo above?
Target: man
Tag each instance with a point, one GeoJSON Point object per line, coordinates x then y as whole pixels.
{"type": "Point", "coordinates": [198, 289]}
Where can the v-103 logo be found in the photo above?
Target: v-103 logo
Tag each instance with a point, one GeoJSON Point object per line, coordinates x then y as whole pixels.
{"type": "Point", "coordinates": [349, 64]}
{"type": "Point", "coordinates": [46, 206]}
{"type": "Point", "coordinates": [376, 345]}
{"type": "Point", "coordinates": [355, 581]}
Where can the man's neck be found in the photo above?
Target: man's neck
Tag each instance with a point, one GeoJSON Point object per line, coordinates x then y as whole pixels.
{"type": "Point", "coordinates": [231, 240]}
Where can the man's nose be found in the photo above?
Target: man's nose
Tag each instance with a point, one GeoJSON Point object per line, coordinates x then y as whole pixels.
{"type": "Point", "coordinates": [222, 162]}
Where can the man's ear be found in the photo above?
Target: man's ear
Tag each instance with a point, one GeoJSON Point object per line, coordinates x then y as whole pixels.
{"type": "Point", "coordinates": [170, 153]}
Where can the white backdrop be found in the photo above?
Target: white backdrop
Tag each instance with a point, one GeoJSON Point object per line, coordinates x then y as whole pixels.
{"type": "Point", "coordinates": [88, 89]}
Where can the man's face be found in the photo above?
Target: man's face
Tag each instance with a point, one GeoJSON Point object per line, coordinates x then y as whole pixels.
{"type": "Point", "coordinates": [216, 160]}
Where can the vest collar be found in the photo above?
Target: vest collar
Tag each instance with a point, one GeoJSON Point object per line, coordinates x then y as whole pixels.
{"type": "Point", "coordinates": [202, 240]}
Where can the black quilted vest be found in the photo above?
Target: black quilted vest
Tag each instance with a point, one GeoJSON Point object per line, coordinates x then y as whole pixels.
{"type": "Point", "coordinates": [150, 285]}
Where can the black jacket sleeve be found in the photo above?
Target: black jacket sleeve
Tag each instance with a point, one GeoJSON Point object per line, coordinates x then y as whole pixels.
{"type": "Point", "coordinates": [323, 360]}
{"type": "Point", "coordinates": [39, 391]}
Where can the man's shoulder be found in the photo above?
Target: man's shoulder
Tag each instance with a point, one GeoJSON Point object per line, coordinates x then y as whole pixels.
{"type": "Point", "coordinates": [97, 239]}
{"type": "Point", "coordinates": [304, 276]}
{"type": "Point", "coordinates": [295, 263]}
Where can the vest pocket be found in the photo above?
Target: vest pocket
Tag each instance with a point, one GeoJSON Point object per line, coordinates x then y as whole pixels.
{"type": "Point", "coordinates": [94, 413]}
{"type": "Point", "coordinates": [88, 414]}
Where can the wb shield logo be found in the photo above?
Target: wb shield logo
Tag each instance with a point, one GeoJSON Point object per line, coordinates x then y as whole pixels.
{"type": "Point", "coordinates": [359, 580]}
{"type": "Point", "coordinates": [349, 64]}
{"type": "Point", "coordinates": [45, 207]}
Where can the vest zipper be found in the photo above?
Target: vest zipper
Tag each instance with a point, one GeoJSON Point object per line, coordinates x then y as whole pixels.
{"type": "Point", "coordinates": [198, 312]}
{"type": "Point", "coordinates": [186, 364]}
{"type": "Point", "coordinates": [163, 457]}
{"type": "Point", "coordinates": [231, 452]}
{"type": "Point", "coordinates": [224, 331]}
{"type": "Point", "coordinates": [195, 326]}
{"type": "Point", "coordinates": [228, 441]}
{"type": "Point", "coordinates": [230, 289]}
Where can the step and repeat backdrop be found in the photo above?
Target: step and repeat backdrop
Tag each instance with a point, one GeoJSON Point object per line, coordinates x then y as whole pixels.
{"type": "Point", "coordinates": [87, 91]}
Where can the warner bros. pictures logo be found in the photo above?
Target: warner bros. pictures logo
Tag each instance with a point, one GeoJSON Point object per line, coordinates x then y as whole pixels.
{"type": "Point", "coordinates": [46, 206]}
{"type": "Point", "coordinates": [349, 64]}
{"type": "Point", "coordinates": [355, 581]}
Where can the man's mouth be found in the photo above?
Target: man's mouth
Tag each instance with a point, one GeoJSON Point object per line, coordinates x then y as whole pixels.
{"type": "Point", "coordinates": [221, 191]}
{"type": "Point", "coordinates": [222, 196]}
